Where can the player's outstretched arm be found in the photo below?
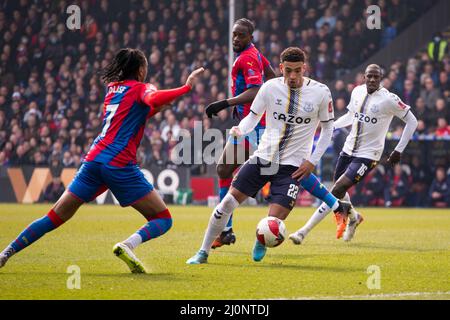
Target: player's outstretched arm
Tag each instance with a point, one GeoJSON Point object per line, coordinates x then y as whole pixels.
{"type": "Point", "coordinates": [246, 125]}
{"type": "Point", "coordinates": [344, 121]}
{"type": "Point", "coordinates": [157, 99]}
{"type": "Point", "coordinates": [245, 97]}
{"type": "Point", "coordinates": [408, 131]}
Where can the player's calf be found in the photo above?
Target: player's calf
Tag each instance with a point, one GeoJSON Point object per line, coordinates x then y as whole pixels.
{"type": "Point", "coordinates": [32, 233]}
{"type": "Point", "coordinates": [156, 226]}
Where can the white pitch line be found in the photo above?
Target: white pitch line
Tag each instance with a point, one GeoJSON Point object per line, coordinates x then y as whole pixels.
{"type": "Point", "coordinates": [370, 296]}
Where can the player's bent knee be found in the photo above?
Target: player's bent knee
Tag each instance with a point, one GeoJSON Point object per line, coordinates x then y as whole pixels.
{"type": "Point", "coordinates": [164, 220]}
{"type": "Point", "coordinates": [223, 171]}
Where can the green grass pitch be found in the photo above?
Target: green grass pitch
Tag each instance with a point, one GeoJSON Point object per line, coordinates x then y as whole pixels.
{"type": "Point", "coordinates": [411, 248]}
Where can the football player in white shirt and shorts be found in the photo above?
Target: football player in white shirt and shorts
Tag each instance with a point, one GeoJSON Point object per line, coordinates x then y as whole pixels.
{"type": "Point", "coordinates": [294, 105]}
{"type": "Point", "coordinates": [370, 112]}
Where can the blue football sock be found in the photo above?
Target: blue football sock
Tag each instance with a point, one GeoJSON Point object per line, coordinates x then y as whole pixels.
{"type": "Point", "coordinates": [318, 190]}
{"type": "Point", "coordinates": [36, 230]}
{"type": "Point", "coordinates": [156, 226]}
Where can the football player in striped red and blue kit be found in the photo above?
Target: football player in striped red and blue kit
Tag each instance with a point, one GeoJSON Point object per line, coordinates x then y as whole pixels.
{"type": "Point", "coordinates": [111, 160]}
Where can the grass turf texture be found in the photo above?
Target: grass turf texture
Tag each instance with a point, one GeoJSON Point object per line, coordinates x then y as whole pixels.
{"type": "Point", "coordinates": [410, 246]}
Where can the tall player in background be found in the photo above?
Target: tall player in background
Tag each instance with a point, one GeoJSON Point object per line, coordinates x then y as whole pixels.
{"type": "Point", "coordinates": [370, 112]}
{"type": "Point", "coordinates": [111, 160]}
{"type": "Point", "coordinates": [248, 73]}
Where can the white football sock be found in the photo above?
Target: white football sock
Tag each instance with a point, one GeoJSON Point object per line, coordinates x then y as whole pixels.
{"type": "Point", "coordinates": [218, 220]}
{"type": "Point", "coordinates": [317, 216]}
{"type": "Point", "coordinates": [133, 241]}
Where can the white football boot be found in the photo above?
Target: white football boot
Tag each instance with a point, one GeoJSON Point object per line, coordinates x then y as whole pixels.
{"type": "Point", "coordinates": [351, 226]}
{"type": "Point", "coordinates": [126, 255]}
{"type": "Point", "coordinates": [297, 237]}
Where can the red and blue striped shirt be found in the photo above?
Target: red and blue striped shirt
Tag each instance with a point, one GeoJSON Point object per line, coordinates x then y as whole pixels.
{"type": "Point", "coordinates": [127, 106]}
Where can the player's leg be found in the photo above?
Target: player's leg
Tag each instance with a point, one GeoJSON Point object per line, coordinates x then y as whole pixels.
{"type": "Point", "coordinates": [159, 221]}
{"type": "Point", "coordinates": [349, 171]}
{"type": "Point", "coordinates": [283, 194]}
{"type": "Point", "coordinates": [318, 190]}
{"type": "Point", "coordinates": [358, 169]}
{"type": "Point", "coordinates": [233, 155]}
{"type": "Point", "coordinates": [247, 183]}
{"type": "Point", "coordinates": [275, 210]}
{"type": "Point", "coordinates": [82, 189]}
{"type": "Point", "coordinates": [322, 211]}
{"type": "Point", "coordinates": [217, 222]}
{"type": "Point", "coordinates": [131, 188]}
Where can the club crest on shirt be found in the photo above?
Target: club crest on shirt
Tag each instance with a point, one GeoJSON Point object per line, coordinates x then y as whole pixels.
{"type": "Point", "coordinates": [374, 108]}
{"type": "Point", "coordinates": [307, 106]}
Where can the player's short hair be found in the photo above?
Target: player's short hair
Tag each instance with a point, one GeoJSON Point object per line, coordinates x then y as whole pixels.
{"type": "Point", "coordinates": [246, 23]}
{"type": "Point", "coordinates": [125, 65]}
{"type": "Point", "coordinates": [375, 66]}
{"type": "Point", "coordinates": [293, 54]}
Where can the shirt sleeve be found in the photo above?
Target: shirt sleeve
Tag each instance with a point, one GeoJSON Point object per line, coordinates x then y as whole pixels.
{"type": "Point", "coordinates": [326, 110]}
{"type": "Point", "coordinates": [157, 98]}
{"type": "Point", "coordinates": [251, 70]}
{"type": "Point", "coordinates": [397, 107]}
{"type": "Point", "coordinates": [144, 90]}
{"type": "Point", "coordinates": [259, 104]}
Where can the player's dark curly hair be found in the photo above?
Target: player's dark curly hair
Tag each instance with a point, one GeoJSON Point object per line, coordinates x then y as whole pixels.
{"type": "Point", "coordinates": [293, 54]}
{"type": "Point", "coordinates": [246, 23]}
{"type": "Point", "coordinates": [125, 65]}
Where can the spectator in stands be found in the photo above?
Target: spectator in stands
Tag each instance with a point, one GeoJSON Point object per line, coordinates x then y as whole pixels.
{"type": "Point", "coordinates": [420, 180]}
{"type": "Point", "coordinates": [441, 110]}
{"type": "Point", "coordinates": [439, 192]}
{"type": "Point", "coordinates": [171, 126]}
{"type": "Point", "coordinates": [53, 191]}
{"type": "Point", "coordinates": [444, 83]}
{"type": "Point", "coordinates": [340, 91]}
{"type": "Point", "coordinates": [429, 93]}
{"type": "Point", "coordinates": [340, 108]}
{"type": "Point", "coordinates": [443, 129]}
{"type": "Point", "coordinates": [389, 33]}
{"type": "Point", "coordinates": [437, 48]}
{"type": "Point", "coordinates": [410, 93]}
{"type": "Point", "coordinates": [328, 18]}
{"type": "Point", "coordinates": [397, 187]}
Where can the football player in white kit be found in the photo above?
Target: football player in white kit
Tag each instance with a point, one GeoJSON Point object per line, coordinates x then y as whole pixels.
{"type": "Point", "coordinates": [370, 112]}
{"type": "Point", "coordinates": [294, 105]}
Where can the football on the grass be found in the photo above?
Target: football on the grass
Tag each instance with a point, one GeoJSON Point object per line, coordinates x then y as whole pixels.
{"type": "Point", "coordinates": [271, 232]}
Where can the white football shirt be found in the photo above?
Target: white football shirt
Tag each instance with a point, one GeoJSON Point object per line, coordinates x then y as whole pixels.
{"type": "Point", "coordinates": [292, 116]}
{"type": "Point", "coordinates": [372, 115]}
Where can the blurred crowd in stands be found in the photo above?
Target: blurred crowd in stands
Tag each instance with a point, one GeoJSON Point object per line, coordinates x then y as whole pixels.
{"type": "Point", "coordinates": [51, 94]}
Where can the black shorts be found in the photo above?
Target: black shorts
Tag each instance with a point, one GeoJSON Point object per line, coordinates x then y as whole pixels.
{"type": "Point", "coordinates": [283, 188]}
{"type": "Point", "coordinates": [354, 168]}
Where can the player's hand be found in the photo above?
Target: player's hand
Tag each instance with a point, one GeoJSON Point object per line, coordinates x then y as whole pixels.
{"type": "Point", "coordinates": [303, 171]}
{"type": "Point", "coordinates": [235, 132]}
{"type": "Point", "coordinates": [394, 157]}
{"type": "Point", "coordinates": [214, 108]}
{"type": "Point", "coordinates": [193, 76]}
